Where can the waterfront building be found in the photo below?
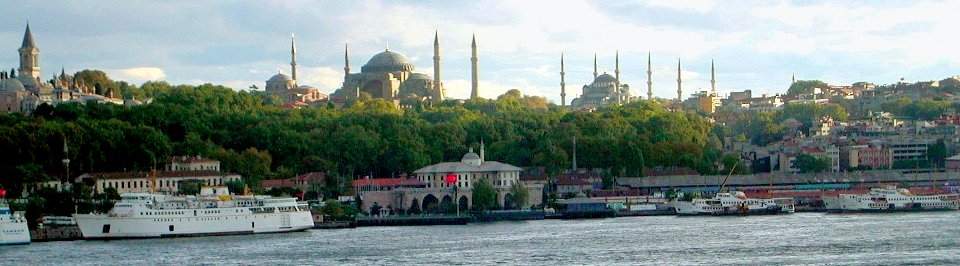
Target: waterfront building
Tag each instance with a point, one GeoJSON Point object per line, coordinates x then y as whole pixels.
{"type": "Point", "coordinates": [193, 163]}
{"type": "Point", "coordinates": [143, 182]}
{"type": "Point", "coordinates": [473, 168]}
{"type": "Point", "coordinates": [302, 182]}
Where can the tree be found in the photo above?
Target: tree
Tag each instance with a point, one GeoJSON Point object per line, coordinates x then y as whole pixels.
{"type": "Point", "coordinates": [810, 164]}
{"type": "Point", "coordinates": [805, 87]}
{"type": "Point", "coordinates": [236, 186]}
{"type": "Point", "coordinates": [520, 194]}
{"type": "Point", "coordinates": [484, 196]}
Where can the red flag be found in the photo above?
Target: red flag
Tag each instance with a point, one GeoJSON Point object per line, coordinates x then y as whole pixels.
{"type": "Point", "coordinates": [3, 193]}
{"type": "Point", "coordinates": [451, 179]}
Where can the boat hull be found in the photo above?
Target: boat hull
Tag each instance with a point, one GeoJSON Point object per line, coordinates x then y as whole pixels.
{"type": "Point", "coordinates": [736, 212]}
{"type": "Point", "coordinates": [106, 227]}
{"type": "Point", "coordinates": [14, 233]}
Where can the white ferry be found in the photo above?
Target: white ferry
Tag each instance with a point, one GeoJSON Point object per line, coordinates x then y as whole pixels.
{"type": "Point", "coordinates": [214, 212]}
{"type": "Point", "coordinates": [13, 226]}
{"type": "Point", "coordinates": [733, 203]}
{"type": "Point", "coordinates": [890, 199]}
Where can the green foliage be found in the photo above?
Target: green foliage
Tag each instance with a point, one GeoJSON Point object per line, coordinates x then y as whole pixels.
{"type": "Point", "coordinates": [235, 187]}
{"type": "Point", "coordinates": [189, 187]}
{"type": "Point", "coordinates": [805, 87]}
{"type": "Point", "coordinates": [338, 211]}
{"type": "Point", "coordinates": [260, 141]}
{"type": "Point", "coordinates": [731, 160]}
{"type": "Point", "coordinates": [924, 109]}
{"type": "Point", "coordinates": [484, 196]}
{"type": "Point", "coordinates": [520, 194]}
{"type": "Point", "coordinates": [810, 164]}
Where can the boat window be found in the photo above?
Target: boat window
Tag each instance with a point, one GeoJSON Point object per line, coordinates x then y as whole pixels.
{"type": "Point", "coordinates": [106, 229]}
{"type": "Point", "coordinates": [171, 228]}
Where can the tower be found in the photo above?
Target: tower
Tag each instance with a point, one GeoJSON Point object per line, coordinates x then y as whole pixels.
{"type": "Point", "coordinates": [594, 65]}
{"type": "Point", "coordinates": [616, 73]}
{"type": "Point", "coordinates": [293, 57]}
{"type": "Point", "coordinates": [29, 56]}
{"type": "Point", "coordinates": [346, 61]}
{"type": "Point", "coordinates": [793, 78]}
{"type": "Point", "coordinates": [679, 84]}
{"type": "Point", "coordinates": [563, 84]}
{"type": "Point", "coordinates": [649, 78]}
{"type": "Point", "coordinates": [474, 79]}
{"type": "Point", "coordinates": [482, 157]}
{"type": "Point", "coordinates": [713, 79]}
{"type": "Point", "coordinates": [437, 87]}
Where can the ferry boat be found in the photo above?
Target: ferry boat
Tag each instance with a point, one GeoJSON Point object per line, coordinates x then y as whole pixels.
{"type": "Point", "coordinates": [214, 212]}
{"type": "Point", "coordinates": [13, 226]}
{"type": "Point", "coordinates": [890, 199]}
{"type": "Point", "coordinates": [733, 203]}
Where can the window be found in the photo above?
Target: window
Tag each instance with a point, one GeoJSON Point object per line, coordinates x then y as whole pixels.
{"type": "Point", "coordinates": [171, 228]}
{"type": "Point", "coordinates": [106, 229]}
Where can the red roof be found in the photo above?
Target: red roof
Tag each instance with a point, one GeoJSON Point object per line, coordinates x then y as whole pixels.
{"type": "Point", "coordinates": [387, 182]}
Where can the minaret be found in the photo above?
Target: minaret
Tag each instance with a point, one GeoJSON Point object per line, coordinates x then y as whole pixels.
{"type": "Point", "coordinates": [474, 84]}
{"type": "Point", "coordinates": [616, 73]}
{"type": "Point", "coordinates": [649, 78]}
{"type": "Point", "coordinates": [574, 153]}
{"type": "Point", "coordinates": [29, 56]}
{"type": "Point", "coordinates": [563, 84]}
{"type": "Point", "coordinates": [793, 78]}
{"type": "Point", "coordinates": [679, 84]}
{"type": "Point", "coordinates": [346, 61]}
{"type": "Point", "coordinates": [713, 79]}
{"type": "Point", "coordinates": [594, 65]}
{"type": "Point", "coordinates": [437, 86]}
{"type": "Point", "coordinates": [482, 157]}
{"type": "Point", "coordinates": [293, 57]}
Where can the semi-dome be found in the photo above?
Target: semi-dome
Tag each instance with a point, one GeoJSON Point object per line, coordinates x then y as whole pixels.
{"type": "Point", "coordinates": [387, 61]}
{"type": "Point", "coordinates": [11, 85]}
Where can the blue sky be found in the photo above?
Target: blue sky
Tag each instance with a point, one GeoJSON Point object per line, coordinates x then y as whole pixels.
{"type": "Point", "coordinates": [757, 45]}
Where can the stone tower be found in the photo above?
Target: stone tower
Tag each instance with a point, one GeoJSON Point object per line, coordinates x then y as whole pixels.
{"type": "Point", "coordinates": [563, 84]}
{"type": "Point", "coordinates": [293, 57]}
{"type": "Point", "coordinates": [474, 75]}
{"type": "Point", "coordinates": [29, 56]}
{"type": "Point", "coordinates": [649, 78]}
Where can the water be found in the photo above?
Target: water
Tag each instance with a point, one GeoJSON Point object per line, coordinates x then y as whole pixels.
{"type": "Point", "coordinates": [803, 238]}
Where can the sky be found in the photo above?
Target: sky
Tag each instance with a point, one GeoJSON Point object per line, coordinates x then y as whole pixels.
{"type": "Point", "coordinates": [756, 45]}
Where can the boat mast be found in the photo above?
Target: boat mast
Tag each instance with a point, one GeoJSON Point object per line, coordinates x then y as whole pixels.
{"type": "Point", "coordinates": [724, 183]}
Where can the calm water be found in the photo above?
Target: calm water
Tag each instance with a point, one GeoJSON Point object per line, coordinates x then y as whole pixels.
{"type": "Point", "coordinates": [804, 238]}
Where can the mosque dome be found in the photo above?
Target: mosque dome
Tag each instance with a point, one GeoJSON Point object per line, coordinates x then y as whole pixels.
{"type": "Point", "coordinates": [419, 76]}
{"type": "Point", "coordinates": [27, 81]}
{"type": "Point", "coordinates": [605, 78]}
{"type": "Point", "coordinates": [387, 61]}
{"type": "Point", "coordinates": [11, 85]}
{"type": "Point", "coordinates": [471, 158]}
{"type": "Point", "coordinates": [279, 77]}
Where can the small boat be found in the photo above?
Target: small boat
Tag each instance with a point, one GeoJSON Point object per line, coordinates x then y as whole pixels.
{"type": "Point", "coordinates": [733, 203]}
{"type": "Point", "coordinates": [890, 199]}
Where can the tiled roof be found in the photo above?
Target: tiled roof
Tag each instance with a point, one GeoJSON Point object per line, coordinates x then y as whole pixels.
{"type": "Point", "coordinates": [387, 182]}
{"type": "Point", "coordinates": [163, 174]}
{"type": "Point", "coordinates": [459, 167]}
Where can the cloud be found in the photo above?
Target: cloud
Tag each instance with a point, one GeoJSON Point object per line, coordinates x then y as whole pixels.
{"type": "Point", "coordinates": [699, 6]}
{"type": "Point", "coordinates": [137, 74]}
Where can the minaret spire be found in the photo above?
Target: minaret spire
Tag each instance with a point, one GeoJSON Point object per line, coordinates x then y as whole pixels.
{"type": "Point", "coordinates": [482, 157]}
{"type": "Point", "coordinates": [713, 78]}
{"type": "Point", "coordinates": [563, 84]}
{"type": "Point", "coordinates": [616, 73]}
{"type": "Point", "coordinates": [293, 57]}
{"type": "Point", "coordinates": [649, 78]}
{"type": "Point", "coordinates": [437, 86]}
{"type": "Point", "coordinates": [679, 84]}
{"type": "Point", "coordinates": [346, 61]}
{"type": "Point", "coordinates": [474, 75]}
{"type": "Point", "coordinates": [594, 65]}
